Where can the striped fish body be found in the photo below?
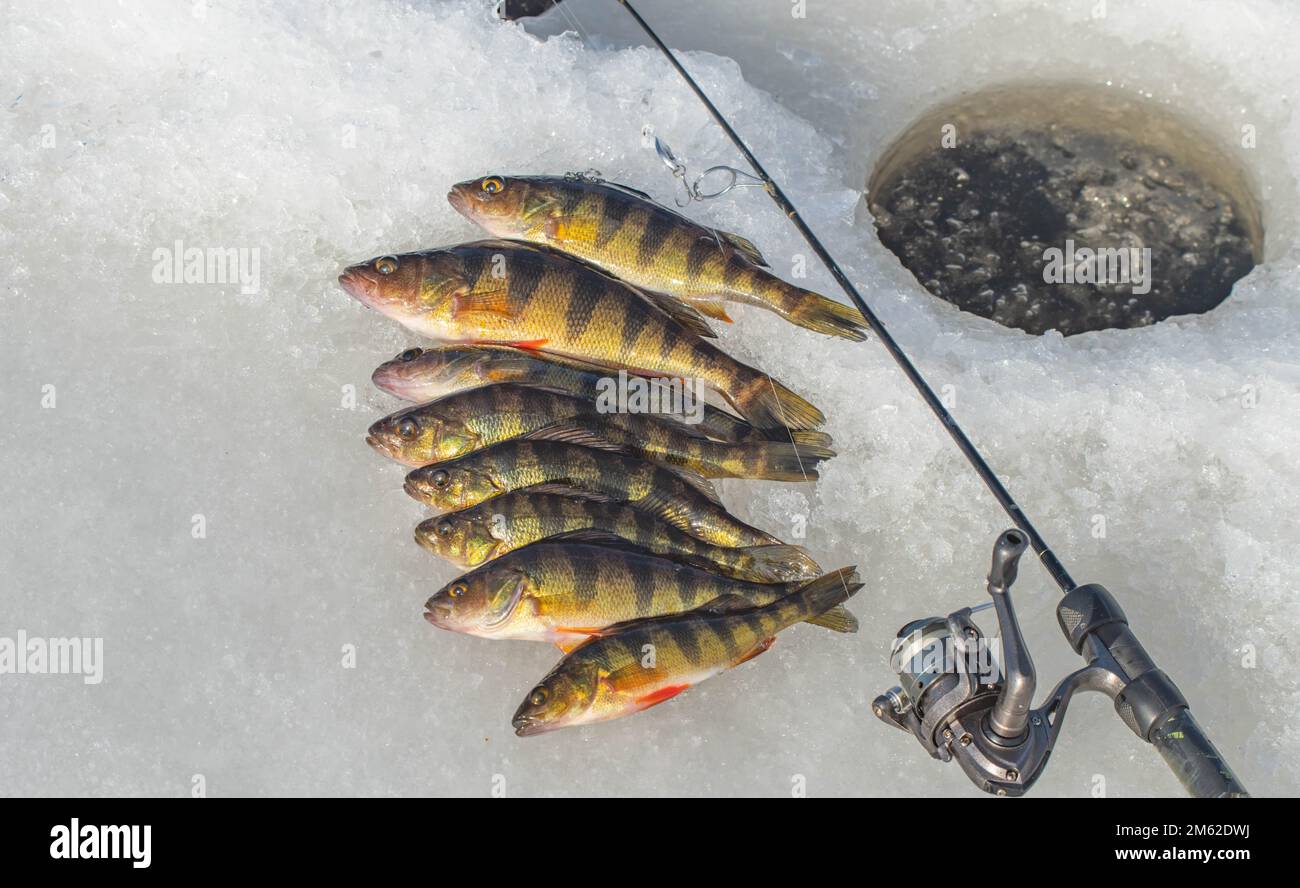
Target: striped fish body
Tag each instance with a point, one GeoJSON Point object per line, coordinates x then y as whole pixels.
{"type": "Point", "coordinates": [490, 530]}
{"type": "Point", "coordinates": [516, 294]}
{"type": "Point", "coordinates": [564, 592]}
{"type": "Point", "coordinates": [426, 374]}
{"type": "Point", "coordinates": [640, 664]}
{"type": "Point", "coordinates": [647, 244]}
{"type": "Point", "coordinates": [681, 499]}
{"type": "Point", "coordinates": [476, 418]}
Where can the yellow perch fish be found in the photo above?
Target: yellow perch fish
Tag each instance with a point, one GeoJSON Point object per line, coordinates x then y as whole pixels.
{"type": "Point", "coordinates": [476, 418]}
{"type": "Point", "coordinates": [512, 293]}
{"type": "Point", "coordinates": [636, 665]}
{"type": "Point", "coordinates": [425, 374]}
{"type": "Point", "coordinates": [563, 592]}
{"type": "Point", "coordinates": [510, 522]}
{"type": "Point", "coordinates": [626, 233]}
{"type": "Point", "coordinates": [679, 497]}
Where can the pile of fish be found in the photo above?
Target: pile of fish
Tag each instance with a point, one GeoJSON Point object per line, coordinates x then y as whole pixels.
{"type": "Point", "coordinates": [584, 515]}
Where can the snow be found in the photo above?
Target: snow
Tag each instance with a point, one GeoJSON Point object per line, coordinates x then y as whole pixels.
{"type": "Point", "coordinates": [312, 135]}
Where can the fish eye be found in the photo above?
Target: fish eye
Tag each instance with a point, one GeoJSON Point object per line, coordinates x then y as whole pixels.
{"type": "Point", "coordinates": [457, 590]}
{"type": "Point", "coordinates": [408, 428]}
{"type": "Point", "coordinates": [539, 696]}
{"type": "Point", "coordinates": [410, 355]}
{"type": "Point", "coordinates": [444, 528]}
{"type": "Point", "coordinates": [493, 185]}
{"type": "Point", "coordinates": [386, 264]}
{"type": "Point", "coordinates": [440, 478]}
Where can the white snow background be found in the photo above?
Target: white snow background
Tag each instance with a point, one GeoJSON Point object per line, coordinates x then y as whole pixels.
{"type": "Point", "coordinates": [325, 133]}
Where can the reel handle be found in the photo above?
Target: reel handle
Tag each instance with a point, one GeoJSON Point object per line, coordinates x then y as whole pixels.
{"type": "Point", "coordinates": [1010, 715]}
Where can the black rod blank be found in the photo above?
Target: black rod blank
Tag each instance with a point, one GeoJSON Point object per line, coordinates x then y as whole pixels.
{"type": "Point", "coordinates": [1049, 560]}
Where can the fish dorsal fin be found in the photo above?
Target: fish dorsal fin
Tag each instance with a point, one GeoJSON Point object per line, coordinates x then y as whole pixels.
{"type": "Point", "coordinates": [610, 540]}
{"type": "Point", "coordinates": [628, 189]}
{"type": "Point", "coordinates": [678, 310]}
{"type": "Point", "coordinates": [594, 539]}
{"type": "Point", "coordinates": [699, 482]}
{"type": "Point", "coordinates": [637, 623]}
{"type": "Point", "coordinates": [597, 538]}
{"type": "Point", "coordinates": [744, 246]}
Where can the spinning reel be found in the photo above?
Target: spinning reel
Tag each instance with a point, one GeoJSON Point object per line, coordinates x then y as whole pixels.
{"type": "Point", "coordinates": [961, 701]}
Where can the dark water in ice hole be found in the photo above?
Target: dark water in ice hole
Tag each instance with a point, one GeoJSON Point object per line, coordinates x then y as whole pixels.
{"type": "Point", "coordinates": [978, 216]}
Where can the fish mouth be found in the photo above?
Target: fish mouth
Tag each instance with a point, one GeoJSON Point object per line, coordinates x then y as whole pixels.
{"type": "Point", "coordinates": [459, 200]}
{"type": "Point", "coordinates": [358, 284]}
{"type": "Point", "coordinates": [381, 446]}
{"type": "Point", "coordinates": [384, 377]}
{"type": "Point", "coordinates": [528, 725]}
{"type": "Point", "coordinates": [412, 489]}
{"type": "Point", "coordinates": [437, 612]}
{"type": "Point", "coordinates": [424, 541]}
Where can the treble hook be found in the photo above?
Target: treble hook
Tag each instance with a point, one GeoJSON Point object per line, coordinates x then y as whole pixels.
{"type": "Point", "coordinates": [692, 190]}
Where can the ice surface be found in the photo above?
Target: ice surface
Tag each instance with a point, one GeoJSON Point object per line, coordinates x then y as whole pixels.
{"type": "Point", "coordinates": [322, 133]}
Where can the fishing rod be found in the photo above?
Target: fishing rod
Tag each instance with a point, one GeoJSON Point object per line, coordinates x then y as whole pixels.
{"type": "Point", "coordinates": [950, 697]}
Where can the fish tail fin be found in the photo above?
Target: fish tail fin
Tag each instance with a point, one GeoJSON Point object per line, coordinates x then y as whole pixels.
{"type": "Point", "coordinates": [818, 601]}
{"type": "Point", "coordinates": [775, 461]}
{"type": "Point", "coordinates": [814, 311]}
{"type": "Point", "coordinates": [767, 404]}
{"type": "Point", "coordinates": [838, 619]}
{"type": "Point", "coordinates": [776, 564]}
{"type": "Point", "coordinates": [811, 439]}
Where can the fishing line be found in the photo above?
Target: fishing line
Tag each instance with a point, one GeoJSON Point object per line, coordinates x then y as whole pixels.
{"type": "Point", "coordinates": [1050, 562]}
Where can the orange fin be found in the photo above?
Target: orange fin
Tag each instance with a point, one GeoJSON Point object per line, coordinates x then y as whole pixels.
{"type": "Point", "coordinates": [493, 302]}
{"type": "Point", "coordinates": [714, 310]}
{"type": "Point", "coordinates": [531, 344]}
{"type": "Point", "coordinates": [659, 696]}
{"type": "Point", "coordinates": [567, 645]}
{"type": "Point", "coordinates": [571, 229]}
{"type": "Point", "coordinates": [584, 631]}
{"type": "Point", "coordinates": [762, 646]}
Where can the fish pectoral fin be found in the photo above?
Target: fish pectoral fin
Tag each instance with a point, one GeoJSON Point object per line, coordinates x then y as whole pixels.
{"type": "Point", "coordinates": [561, 489]}
{"type": "Point", "coordinates": [579, 229]}
{"type": "Point", "coordinates": [762, 646]}
{"type": "Point", "coordinates": [495, 302]}
{"type": "Point", "coordinates": [634, 677]}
